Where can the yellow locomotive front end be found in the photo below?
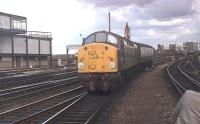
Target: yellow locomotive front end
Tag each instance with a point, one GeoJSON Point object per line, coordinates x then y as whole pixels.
{"type": "Point", "coordinates": [97, 58]}
{"type": "Point", "coordinates": [98, 62]}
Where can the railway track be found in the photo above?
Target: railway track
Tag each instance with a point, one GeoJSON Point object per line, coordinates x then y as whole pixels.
{"type": "Point", "coordinates": [191, 72]}
{"type": "Point", "coordinates": [28, 80]}
{"type": "Point", "coordinates": [43, 102]}
{"type": "Point", "coordinates": [186, 70]}
{"type": "Point", "coordinates": [10, 72]}
{"type": "Point", "coordinates": [21, 91]}
{"type": "Point", "coordinates": [180, 79]}
{"type": "Point", "coordinates": [20, 98]}
{"type": "Point", "coordinates": [41, 110]}
{"type": "Point", "coordinates": [83, 110]}
{"type": "Point", "coordinates": [195, 63]}
{"type": "Point", "coordinates": [29, 75]}
{"type": "Point", "coordinates": [14, 71]}
{"type": "Point", "coordinates": [189, 69]}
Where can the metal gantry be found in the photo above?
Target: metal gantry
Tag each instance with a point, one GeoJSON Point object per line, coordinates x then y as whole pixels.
{"type": "Point", "coordinates": [73, 47]}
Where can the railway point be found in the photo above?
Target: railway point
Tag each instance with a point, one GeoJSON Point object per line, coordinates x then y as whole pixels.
{"type": "Point", "coordinates": [99, 62]}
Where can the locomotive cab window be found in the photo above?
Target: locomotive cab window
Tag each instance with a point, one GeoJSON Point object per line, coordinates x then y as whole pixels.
{"type": "Point", "coordinates": [112, 39]}
{"type": "Point", "coordinates": [90, 39]}
{"type": "Point", "coordinates": [101, 37]}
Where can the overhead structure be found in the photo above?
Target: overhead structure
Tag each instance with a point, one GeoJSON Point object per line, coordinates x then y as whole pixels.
{"type": "Point", "coordinates": [71, 47]}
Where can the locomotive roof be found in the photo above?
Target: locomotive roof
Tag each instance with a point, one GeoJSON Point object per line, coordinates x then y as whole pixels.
{"type": "Point", "coordinates": [120, 37]}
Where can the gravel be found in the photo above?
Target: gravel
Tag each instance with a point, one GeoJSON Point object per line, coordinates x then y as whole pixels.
{"type": "Point", "coordinates": [149, 98]}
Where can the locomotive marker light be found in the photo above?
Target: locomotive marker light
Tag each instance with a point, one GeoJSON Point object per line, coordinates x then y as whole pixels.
{"type": "Point", "coordinates": [112, 65]}
{"type": "Point", "coordinates": [80, 66]}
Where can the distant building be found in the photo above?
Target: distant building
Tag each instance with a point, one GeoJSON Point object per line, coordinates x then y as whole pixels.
{"type": "Point", "coordinates": [190, 46]}
{"type": "Point", "coordinates": [160, 47]}
{"type": "Point", "coordinates": [172, 46]}
{"type": "Point", "coordinates": [63, 59]}
{"type": "Point", "coordinates": [179, 48]}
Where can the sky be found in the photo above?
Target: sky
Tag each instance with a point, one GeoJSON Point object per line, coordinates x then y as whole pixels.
{"type": "Point", "coordinates": [151, 21]}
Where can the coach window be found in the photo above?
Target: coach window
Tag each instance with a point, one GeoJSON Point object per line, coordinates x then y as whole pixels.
{"type": "Point", "coordinates": [101, 37]}
{"type": "Point", "coordinates": [125, 43]}
{"type": "Point", "coordinates": [112, 39]}
{"type": "Point", "coordinates": [90, 39]}
{"type": "Point", "coordinates": [135, 46]}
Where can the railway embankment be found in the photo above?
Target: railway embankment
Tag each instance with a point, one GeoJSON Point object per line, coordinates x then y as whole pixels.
{"type": "Point", "coordinates": [148, 98]}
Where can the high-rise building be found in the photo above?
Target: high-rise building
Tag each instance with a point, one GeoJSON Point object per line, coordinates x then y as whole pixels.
{"type": "Point", "coordinates": [172, 46]}
{"type": "Point", "coordinates": [190, 46]}
{"type": "Point", "coordinates": [160, 47]}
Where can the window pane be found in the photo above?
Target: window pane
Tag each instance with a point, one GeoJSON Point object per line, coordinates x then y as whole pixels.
{"type": "Point", "coordinates": [112, 39]}
{"type": "Point", "coordinates": [101, 37]}
{"type": "Point", "coordinates": [89, 39]}
{"type": "Point", "coordinates": [135, 45]}
{"type": "Point", "coordinates": [125, 43]}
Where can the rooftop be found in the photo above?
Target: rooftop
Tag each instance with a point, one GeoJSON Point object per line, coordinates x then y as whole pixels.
{"type": "Point", "coordinates": [10, 23]}
{"type": "Point", "coordinates": [12, 15]}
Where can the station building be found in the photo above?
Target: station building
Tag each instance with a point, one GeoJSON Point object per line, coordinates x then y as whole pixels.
{"type": "Point", "coordinates": [22, 48]}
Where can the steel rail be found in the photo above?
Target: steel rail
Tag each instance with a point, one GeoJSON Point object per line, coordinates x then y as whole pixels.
{"type": "Point", "coordinates": [25, 111]}
{"type": "Point", "coordinates": [7, 90]}
{"type": "Point", "coordinates": [35, 79]}
{"type": "Point", "coordinates": [195, 64]}
{"type": "Point", "coordinates": [56, 116]}
{"type": "Point", "coordinates": [189, 77]}
{"type": "Point", "coordinates": [180, 79]}
{"type": "Point", "coordinates": [44, 114]}
{"type": "Point", "coordinates": [22, 76]}
{"type": "Point", "coordinates": [178, 86]}
{"type": "Point", "coordinates": [83, 110]}
{"type": "Point", "coordinates": [37, 95]}
{"type": "Point", "coordinates": [38, 91]}
{"type": "Point", "coordinates": [32, 89]}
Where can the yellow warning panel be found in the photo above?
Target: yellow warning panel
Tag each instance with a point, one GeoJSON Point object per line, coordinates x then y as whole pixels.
{"type": "Point", "coordinates": [97, 58]}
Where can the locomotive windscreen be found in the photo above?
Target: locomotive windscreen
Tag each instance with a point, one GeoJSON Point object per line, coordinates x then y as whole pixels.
{"type": "Point", "coordinates": [101, 37]}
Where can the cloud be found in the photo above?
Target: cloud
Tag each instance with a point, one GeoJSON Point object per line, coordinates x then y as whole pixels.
{"type": "Point", "coordinates": [156, 21]}
{"type": "Point", "coordinates": [117, 3]}
{"type": "Point", "coordinates": [151, 21]}
{"type": "Point", "coordinates": [159, 9]}
{"type": "Point", "coordinates": [167, 9]}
